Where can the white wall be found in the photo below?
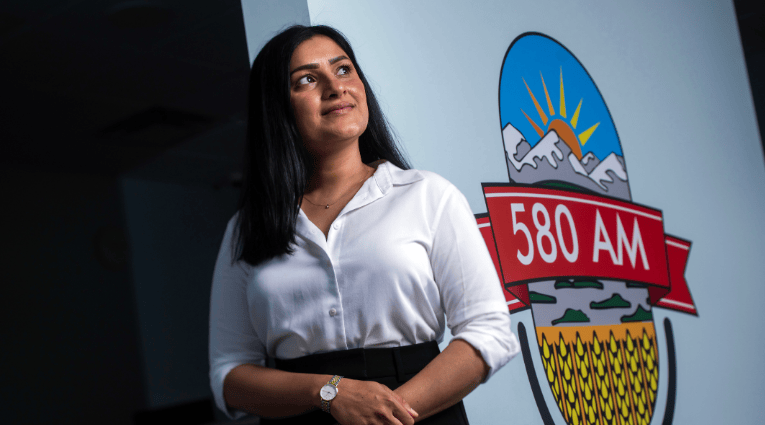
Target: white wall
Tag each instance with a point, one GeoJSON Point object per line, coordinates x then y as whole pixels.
{"type": "Point", "coordinates": [674, 79]}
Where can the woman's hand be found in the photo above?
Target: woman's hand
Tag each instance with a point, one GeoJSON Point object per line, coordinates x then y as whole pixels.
{"type": "Point", "coordinates": [370, 403]}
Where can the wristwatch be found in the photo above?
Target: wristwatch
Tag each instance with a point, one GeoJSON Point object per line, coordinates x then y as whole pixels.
{"type": "Point", "coordinates": [328, 392]}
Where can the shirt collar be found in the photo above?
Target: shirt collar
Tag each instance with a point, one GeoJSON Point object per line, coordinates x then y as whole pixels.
{"type": "Point", "coordinates": [389, 175]}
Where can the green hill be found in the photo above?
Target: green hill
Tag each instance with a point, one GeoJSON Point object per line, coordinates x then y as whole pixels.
{"type": "Point", "coordinates": [558, 184]}
{"type": "Point", "coordinates": [572, 316]}
{"type": "Point", "coordinates": [616, 301]}
{"type": "Point", "coordinates": [640, 315]}
{"type": "Point", "coordinates": [578, 284]}
{"type": "Point", "coordinates": [536, 297]}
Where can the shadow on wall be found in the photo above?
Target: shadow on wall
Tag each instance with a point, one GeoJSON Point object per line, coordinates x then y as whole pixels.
{"type": "Point", "coordinates": [106, 297]}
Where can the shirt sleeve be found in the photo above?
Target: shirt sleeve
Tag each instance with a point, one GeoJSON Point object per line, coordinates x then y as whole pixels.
{"type": "Point", "coordinates": [233, 340]}
{"type": "Point", "coordinates": [475, 308]}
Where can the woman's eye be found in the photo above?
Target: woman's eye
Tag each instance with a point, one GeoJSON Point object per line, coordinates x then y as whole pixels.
{"type": "Point", "coordinates": [305, 80]}
{"type": "Point", "coordinates": [344, 70]}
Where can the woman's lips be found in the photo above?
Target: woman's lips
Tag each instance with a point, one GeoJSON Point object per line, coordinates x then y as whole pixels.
{"type": "Point", "coordinates": [340, 108]}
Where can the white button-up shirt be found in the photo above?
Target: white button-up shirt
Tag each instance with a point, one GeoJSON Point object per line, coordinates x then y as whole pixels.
{"type": "Point", "coordinates": [401, 260]}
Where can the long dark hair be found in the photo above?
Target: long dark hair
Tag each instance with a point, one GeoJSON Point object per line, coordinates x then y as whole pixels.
{"type": "Point", "coordinates": [276, 163]}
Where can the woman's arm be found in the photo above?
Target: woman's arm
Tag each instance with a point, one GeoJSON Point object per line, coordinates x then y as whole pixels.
{"type": "Point", "coordinates": [475, 310]}
{"type": "Point", "coordinates": [446, 380]}
{"type": "Point", "coordinates": [273, 393]}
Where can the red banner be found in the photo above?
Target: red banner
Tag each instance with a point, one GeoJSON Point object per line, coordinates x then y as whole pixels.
{"type": "Point", "coordinates": [543, 234]}
{"type": "Point", "coordinates": [517, 296]}
{"type": "Point", "coordinates": [678, 297]}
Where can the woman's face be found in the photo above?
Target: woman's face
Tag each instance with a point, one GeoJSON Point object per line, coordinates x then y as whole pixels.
{"type": "Point", "coordinates": [327, 96]}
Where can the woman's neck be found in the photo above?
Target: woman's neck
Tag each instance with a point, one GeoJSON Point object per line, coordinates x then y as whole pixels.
{"type": "Point", "coordinates": [333, 173]}
{"type": "Point", "coordinates": [333, 181]}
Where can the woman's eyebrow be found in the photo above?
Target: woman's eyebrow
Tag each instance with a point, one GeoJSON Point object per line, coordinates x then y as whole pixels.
{"type": "Point", "coordinates": [316, 65]}
{"type": "Point", "coordinates": [306, 66]}
{"type": "Point", "coordinates": [337, 59]}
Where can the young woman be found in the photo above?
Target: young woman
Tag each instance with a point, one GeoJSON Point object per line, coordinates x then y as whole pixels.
{"type": "Point", "coordinates": [342, 265]}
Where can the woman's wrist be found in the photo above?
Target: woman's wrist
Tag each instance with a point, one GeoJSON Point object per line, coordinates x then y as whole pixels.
{"type": "Point", "coordinates": [329, 392]}
{"type": "Point", "coordinates": [319, 383]}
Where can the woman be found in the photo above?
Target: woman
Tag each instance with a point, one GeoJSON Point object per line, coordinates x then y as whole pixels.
{"type": "Point", "coordinates": [342, 264]}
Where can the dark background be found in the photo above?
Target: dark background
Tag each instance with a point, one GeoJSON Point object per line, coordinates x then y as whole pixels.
{"type": "Point", "coordinates": [122, 130]}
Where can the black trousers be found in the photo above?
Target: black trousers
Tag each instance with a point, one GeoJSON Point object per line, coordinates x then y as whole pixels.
{"type": "Point", "coordinates": [391, 367]}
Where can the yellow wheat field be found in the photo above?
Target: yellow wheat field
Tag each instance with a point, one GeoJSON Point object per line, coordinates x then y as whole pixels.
{"type": "Point", "coordinates": [602, 374]}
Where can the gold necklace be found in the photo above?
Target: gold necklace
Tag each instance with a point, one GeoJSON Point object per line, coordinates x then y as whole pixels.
{"type": "Point", "coordinates": [356, 186]}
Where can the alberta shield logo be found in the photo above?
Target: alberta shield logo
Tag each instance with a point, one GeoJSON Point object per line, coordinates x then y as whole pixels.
{"type": "Point", "coordinates": [569, 243]}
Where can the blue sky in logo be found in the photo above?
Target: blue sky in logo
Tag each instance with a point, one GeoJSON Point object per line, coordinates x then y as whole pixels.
{"type": "Point", "coordinates": [532, 54]}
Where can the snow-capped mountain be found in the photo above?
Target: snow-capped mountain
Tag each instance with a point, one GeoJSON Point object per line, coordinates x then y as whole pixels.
{"type": "Point", "coordinates": [545, 149]}
{"type": "Point", "coordinates": [600, 174]}
{"type": "Point", "coordinates": [552, 159]}
{"type": "Point", "coordinates": [590, 161]}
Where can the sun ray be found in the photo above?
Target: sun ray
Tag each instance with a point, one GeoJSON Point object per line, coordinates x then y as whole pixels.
{"type": "Point", "coordinates": [562, 96]}
{"type": "Point", "coordinates": [547, 95]}
{"type": "Point", "coordinates": [575, 118]}
{"type": "Point", "coordinates": [539, 108]}
{"type": "Point", "coordinates": [585, 135]}
{"type": "Point", "coordinates": [533, 124]}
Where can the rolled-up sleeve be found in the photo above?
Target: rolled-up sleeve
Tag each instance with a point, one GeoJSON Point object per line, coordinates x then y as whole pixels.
{"type": "Point", "coordinates": [233, 340]}
{"type": "Point", "coordinates": [471, 295]}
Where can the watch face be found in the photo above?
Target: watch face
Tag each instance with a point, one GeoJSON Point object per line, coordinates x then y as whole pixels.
{"type": "Point", "coordinates": [328, 392]}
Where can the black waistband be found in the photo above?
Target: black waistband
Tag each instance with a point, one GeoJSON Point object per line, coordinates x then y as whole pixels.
{"type": "Point", "coordinates": [366, 363]}
{"type": "Point", "coordinates": [388, 366]}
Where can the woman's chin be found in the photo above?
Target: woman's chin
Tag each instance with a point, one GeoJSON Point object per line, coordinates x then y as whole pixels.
{"type": "Point", "coordinates": [344, 135]}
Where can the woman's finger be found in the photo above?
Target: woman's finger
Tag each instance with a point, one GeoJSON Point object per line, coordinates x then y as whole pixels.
{"type": "Point", "coordinates": [402, 414]}
{"type": "Point", "coordinates": [390, 418]}
{"type": "Point", "coordinates": [408, 407]}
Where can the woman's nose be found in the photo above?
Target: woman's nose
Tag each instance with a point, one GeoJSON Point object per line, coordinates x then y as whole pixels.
{"type": "Point", "coordinates": [334, 88]}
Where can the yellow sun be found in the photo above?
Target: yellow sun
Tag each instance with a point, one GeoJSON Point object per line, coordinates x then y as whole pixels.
{"type": "Point", "coordinates": [564, 129]}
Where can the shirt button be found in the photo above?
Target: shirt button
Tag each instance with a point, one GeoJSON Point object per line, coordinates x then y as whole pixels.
{"type": "Point", "coordinates": [336, 226]}
{"type": "Point", "coordinates": [332, 312]}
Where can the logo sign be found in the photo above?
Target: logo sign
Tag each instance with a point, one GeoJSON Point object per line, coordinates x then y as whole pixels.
{"type": "Point", "coordinates": [569, 244]}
